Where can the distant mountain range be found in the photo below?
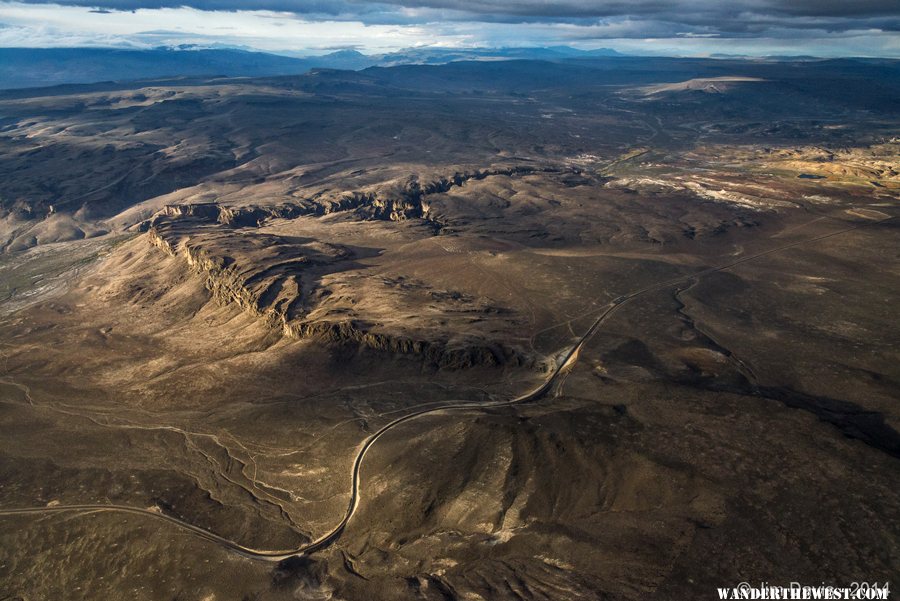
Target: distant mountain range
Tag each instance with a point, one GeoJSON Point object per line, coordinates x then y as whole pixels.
{"type": "Point", "coordinates": [42, 67]}
{"type": "Point", "coordinates": [37, 67]}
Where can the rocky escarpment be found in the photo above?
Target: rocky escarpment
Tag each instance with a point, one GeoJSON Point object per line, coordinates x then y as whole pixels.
{"type": "Point", "coordinates": [279, 280]}
{"type": "Point", "coordinates": [392, 201]}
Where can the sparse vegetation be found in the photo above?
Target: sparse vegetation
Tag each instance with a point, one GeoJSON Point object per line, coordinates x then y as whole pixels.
{"type": "Point", "coordinates": [242, 280]}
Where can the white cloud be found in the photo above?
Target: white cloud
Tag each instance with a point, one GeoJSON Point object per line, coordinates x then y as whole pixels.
{"type": "Point", "coordinates": [28, 25]}
{"type": "Point", "coordinates": [48, 25]}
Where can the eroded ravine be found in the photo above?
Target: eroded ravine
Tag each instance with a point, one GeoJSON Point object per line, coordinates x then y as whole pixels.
{"type": "Point", "coordinates": [566, 361]}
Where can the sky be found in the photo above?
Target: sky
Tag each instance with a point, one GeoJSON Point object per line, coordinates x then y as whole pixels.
{"type": "Point", "coordinates": [658, 27]}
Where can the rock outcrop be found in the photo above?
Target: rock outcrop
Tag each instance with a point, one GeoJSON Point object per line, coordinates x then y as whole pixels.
{"type": "Point", "coordinates": [275, 279]}
{"type": "Point", "coordinates": [393, 201]}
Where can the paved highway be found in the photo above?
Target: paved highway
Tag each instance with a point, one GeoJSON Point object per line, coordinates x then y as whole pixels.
{"type": "Point", "coordinates": [565, 363]}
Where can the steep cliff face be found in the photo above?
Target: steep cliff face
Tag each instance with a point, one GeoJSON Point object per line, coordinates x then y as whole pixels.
{"type": "Point", "coordinates": [262, 274]}
{"type": "Point", "coordinates": [280, 281]}
{"type": "Point", "coordinates": [395, 200]}
{"type": "Point", "coordinates": [289, 281]}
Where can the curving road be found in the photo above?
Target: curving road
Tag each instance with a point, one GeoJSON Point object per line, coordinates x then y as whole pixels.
{"type": "Point", "coordinates": [566, 361]}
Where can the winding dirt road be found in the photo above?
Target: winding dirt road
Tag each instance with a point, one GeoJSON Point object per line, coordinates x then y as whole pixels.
{"type": "Point", "coordinates": [565, 362]}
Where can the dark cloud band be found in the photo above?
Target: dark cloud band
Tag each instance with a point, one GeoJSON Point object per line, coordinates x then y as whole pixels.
{"type": "Point", "coordinates": [707, 17]}
{"type": "Point", "coordinates": [533, 8]}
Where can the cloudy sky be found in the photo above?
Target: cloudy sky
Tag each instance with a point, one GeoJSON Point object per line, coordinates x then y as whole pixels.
{"type": "Point", "coordinates": [672, 27]}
